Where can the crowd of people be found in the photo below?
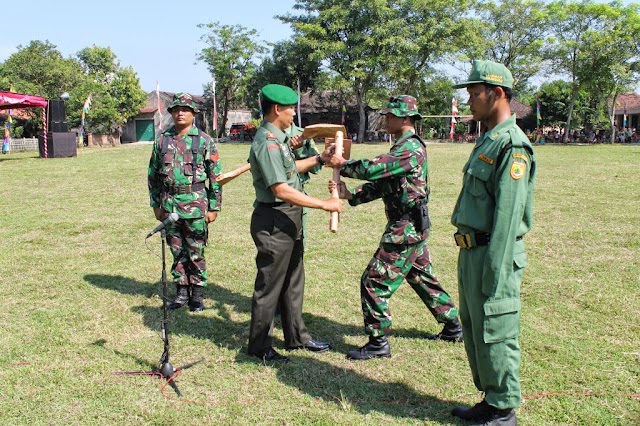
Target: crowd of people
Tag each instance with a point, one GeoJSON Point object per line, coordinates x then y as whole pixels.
{"type": "Point", "coordinates": [492, 215]}
{"type": "Point", "coordinates": [592, 136]}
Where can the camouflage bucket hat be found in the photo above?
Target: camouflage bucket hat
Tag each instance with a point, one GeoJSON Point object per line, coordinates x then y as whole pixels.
{"type": "Point", "coordinates": [402, 106]}
{"type": "Point", "coordinates": [185, 100]}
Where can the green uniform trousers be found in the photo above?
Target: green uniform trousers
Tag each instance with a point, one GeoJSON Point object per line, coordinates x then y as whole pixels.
{"type": "Point", "coordinates": [276, 231]}
{"type": "Point", "coordinates": [491, 325]}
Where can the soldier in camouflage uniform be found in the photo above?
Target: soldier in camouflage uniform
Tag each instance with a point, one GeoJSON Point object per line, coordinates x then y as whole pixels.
{"type": "Point", "coordinates": [183, 158]}
{"type": "Point", "coordinates": [400, 178]}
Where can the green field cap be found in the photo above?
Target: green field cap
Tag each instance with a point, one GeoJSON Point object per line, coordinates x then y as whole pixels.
{"type": "Point", "coordinates": [278, 94]}
{"type": "Point", "coordinates": [402, 106]}
{"type": "Point", "coordinates": [183, 99]}
{"type": "Point", "coordinates": [488, 72]}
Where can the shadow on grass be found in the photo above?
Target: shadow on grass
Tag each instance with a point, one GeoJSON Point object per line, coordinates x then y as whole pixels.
{"type": "Point", "coordinates": [321, 380]}
{"type": "Point", "coordinates": [352, 391]}
{"type": "Point", "coordinates": [222, 329]}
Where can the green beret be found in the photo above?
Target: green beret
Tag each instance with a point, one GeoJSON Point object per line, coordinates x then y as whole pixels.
{"type": "Point", "coordinates": [278, 94]}
{"type": "Point", "coordinates": [488, 72]}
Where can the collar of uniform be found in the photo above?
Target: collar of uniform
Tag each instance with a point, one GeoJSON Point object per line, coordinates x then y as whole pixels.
{"type": "Point", "coordinates": [172, 131]}
{"type": "Point", "coordinates": [294, 131]}
{"type": "Point", "coordinates": [406, 135]}
{"type": "Point", "coordinates": [494, 133]}
{"type": "Point", "coordinates": [279, 134]}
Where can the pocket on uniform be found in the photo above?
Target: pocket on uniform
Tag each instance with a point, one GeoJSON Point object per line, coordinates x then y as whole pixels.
{"type": "Point", "coordinates": [479, 173]}
{"type": "Point", "coordinates": [520, 260]}
{"type": "Point", "coordinates": [502, 319]}
{"type": "Point", "coordinates": [188, 169]}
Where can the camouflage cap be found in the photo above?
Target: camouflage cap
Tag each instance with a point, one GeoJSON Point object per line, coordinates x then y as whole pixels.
{"type": "Point", "coordinates": [488, 72]}
{"type": "Point", "coordinates": [185, 100]}
{"type": "Point", "coordinates": [278, 94]}
{"type": "Point", "coordinates": [402, 106]}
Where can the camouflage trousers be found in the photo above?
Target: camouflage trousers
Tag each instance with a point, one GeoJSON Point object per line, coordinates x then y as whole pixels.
{"type": "Point", "coordinates": [187, 239]}
{"type": "Point", "coordinates": [391, 264]}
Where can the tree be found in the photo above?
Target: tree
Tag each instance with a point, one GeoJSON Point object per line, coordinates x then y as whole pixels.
{"type": "Point", "coordinates": [230, 57]}
{"type": "Point", "coordinates": [512, 33]}
{"type": "Point", "coordinates": [373, 45]}
{"type": "Point", "coordinates": [39, 69]}
{"type": "Point", "coordinates": [355, 39]}
{"type": "Point", "coordinates": [587, 35]}
{"type": "Point", "coordinates": [115, 91]}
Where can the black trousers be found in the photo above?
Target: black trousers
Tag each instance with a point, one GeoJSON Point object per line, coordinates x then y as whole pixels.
{"type": "Point", "coordinates": [277, 234]}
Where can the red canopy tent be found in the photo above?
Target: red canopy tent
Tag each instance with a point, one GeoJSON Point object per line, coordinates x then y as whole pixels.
{"type": "Point", "coordinates": [10, 100]}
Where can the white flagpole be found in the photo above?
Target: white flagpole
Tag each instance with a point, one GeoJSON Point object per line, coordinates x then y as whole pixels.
{"type": "Point", "coordinates": [299, 115]}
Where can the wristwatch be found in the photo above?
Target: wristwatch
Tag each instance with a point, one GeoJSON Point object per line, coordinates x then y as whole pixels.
{"type": "Point", "coordinates": [320, 160]}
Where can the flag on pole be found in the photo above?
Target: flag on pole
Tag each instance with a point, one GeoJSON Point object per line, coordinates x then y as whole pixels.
{"type": "Point", "coordinates": [159, 108]}
{"type": "Point", "coordinates": [344, 112]}
{"type": "Point", "coordinates": [215, 108]}
{"type": "Point", "coordinates": [85, 111]}
{"type": "Point", "coordinates": [299, 115]}
{"type": "Point", "coordinates": [538, 116]}
{"type": "Point", "coordinates": [454, 114]}
{"type": "Point", "coordinates": [624, 118]}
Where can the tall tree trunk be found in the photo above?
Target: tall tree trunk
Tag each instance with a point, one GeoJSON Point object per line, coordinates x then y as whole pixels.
{"type": "Point", "coordinates": [567, 126]}
{"type": "Point", "coordinates": [612, 117]}
{"type": "Point", "coordinates": [361, 116]}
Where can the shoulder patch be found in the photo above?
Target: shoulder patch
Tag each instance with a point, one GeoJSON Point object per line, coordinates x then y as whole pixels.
{"type": "Point", "coordinates": [486, 159]}
{"type": "Point", "coordinates": [270, 135]}
{"type": "Point", "coordinates": [214, 157]}
{"type": "Point", "coordinates": [518, 169]}
{"type": "Point", "coordinates": [522, 156]}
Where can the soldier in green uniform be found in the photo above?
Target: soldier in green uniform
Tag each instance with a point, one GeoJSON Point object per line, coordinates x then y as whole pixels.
{"type": "Point", "coordinates": [492, 215]}
{"type": "Point", "coordinates": [400, 178]}
{"type": "Point", "coordinates": [276, 228]}
{"type": "Point", "coordinates": [182, 160]}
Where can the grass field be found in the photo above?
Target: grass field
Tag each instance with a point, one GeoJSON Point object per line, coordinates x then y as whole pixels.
{"type": "Point", "coordinates": [80, 292]}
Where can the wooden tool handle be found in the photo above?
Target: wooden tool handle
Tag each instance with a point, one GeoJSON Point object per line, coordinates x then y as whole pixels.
{"type": "Point", "coordinates": [333, 222]}
{"type": "Point", "coordinates": [226, 177]}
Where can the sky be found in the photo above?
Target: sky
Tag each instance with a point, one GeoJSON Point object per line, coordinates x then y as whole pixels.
{"type": "Point", "coordinates": [159, 39]}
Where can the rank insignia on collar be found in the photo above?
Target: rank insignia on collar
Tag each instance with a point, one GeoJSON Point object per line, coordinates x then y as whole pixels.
{"type": "Point", "coordinates": [486, 159]}
{"type": "Point", "coordinates": [517, 169]}
{"type": "Point", "coordinates": [270, 135]}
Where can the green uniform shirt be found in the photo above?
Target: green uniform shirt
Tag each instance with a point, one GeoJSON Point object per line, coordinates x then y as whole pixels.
{"type": "Point", "coordinates": [272, 162]}
{"type": "Point", "coordinates": [497, 195]}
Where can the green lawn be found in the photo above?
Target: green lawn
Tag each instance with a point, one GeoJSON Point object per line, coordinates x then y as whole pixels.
{"type": "Point", "coordinates": [80, 292]}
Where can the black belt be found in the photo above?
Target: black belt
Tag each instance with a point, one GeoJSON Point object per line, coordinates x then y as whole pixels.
{"type": "Point", "coordinates": [474, 239]}
{"type": "Point", "coordinates": [276, 204]}
{"type": "Point", "coordinates": [184, 189]}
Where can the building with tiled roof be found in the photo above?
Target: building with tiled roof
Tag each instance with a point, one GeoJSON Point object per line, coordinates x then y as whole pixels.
{"type": "Point", "coordinates": [627, 104]}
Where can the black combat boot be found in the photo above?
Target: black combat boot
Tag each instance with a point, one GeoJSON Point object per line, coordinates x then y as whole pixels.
{"type": "Point", "coordinates": [451, 332]}
{"type": "Point", "coordinates": [197, 297]}
{"type": "Point", "coordinates": [488, 415]}
{"type": "Point", "coordinates": [377, 347]}
{"type": "Point", "coordinates": [182, 297]}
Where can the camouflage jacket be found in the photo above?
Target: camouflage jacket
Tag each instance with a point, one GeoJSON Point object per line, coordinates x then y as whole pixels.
{"type": "Point", "coordinates": [179, 167]}
{"type": "Point", "coordinates": [399, 178]}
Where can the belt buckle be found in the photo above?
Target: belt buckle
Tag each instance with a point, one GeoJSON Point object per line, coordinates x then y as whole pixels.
{"type": "Point", "coordinates": [461, 241]}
